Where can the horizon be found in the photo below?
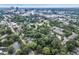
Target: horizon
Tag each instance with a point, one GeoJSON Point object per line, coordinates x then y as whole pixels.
{"type": "Point", "coordinates": [40, 5]}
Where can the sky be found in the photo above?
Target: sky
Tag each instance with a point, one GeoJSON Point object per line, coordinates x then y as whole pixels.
{"type": "Point", "coordinates": [41, 5]}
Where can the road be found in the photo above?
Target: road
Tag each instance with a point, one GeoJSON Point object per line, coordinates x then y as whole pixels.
{"type": "Point", "coordinates": [10, 26]}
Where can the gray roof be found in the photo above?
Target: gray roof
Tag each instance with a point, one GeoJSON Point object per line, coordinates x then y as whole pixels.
{"type": "Point", "coordinates": [58, 30]}
{"type": "Point", "coordinates": [73, 36]}
{"type": "Point", "coordinates": [16, 45]}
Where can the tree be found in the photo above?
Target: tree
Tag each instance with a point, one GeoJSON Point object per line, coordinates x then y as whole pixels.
{"type": "Point", "coordinates": [18, 18]}
{"type": "Point", "coordinates": [46, 50]}
{"type": "Point", "coordinates": [63, 51]}
{"type": "Point", "coordinates": [45, 38]}
{"type": "Point", "coordinates": [54, 51]}
{"type": "Point", "coordinates": [56, 43]}
{"type": "Point", "coordinates": [8, 31]}
{"type": "Point", "coordinates": [7, 42]}
{"type": "Point", "coordinates": [77, 42]}
{"type": "Point", "coordinates": [0, 43]}
{"type": "Point", "coordinates": [29, 33]}
{"type": "Point", "coordinates": [10, 50]}
{"type": "Point", "coordinates": [41, 42]}
{"type": "Point", "coordinates": [70, 45]}
{"type": "Point", "coordinates": [18, 51]}
{"type": "Point", "coordinates": [24, 49]}
{"type": "Point", "coordinates": [44, 31]}
{"type": "Point", "coordinates": [13, 37]}
{"type": "Point", "coordinates": [33, 45]}
{"type": "Point", "coordinates": [39, 49]}
{"type": "Point", "coordinates": [67, 33]}
{"type": "Point", "coordinates": [37, 35]}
